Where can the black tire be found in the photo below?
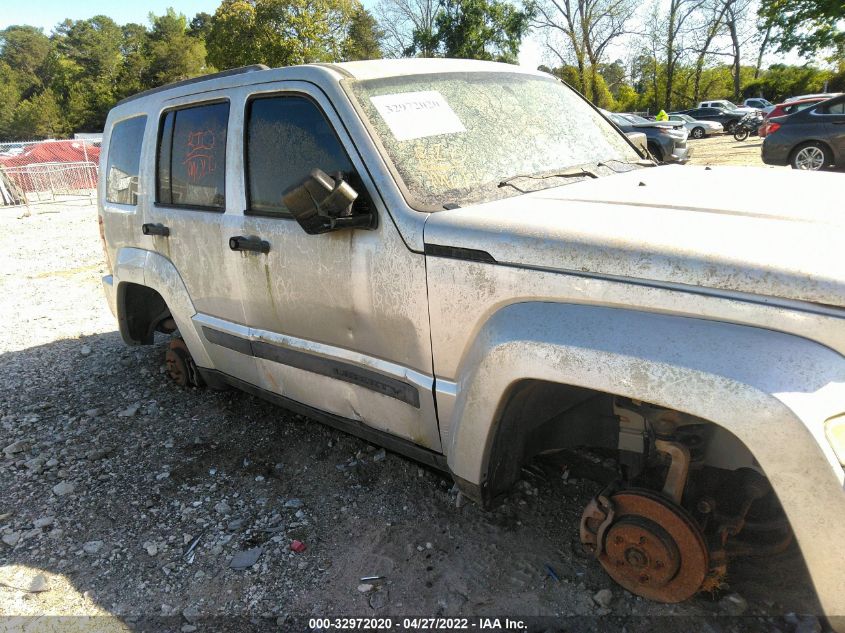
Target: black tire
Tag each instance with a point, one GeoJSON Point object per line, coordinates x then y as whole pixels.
{"type": "Point", "coordinates": [697, 132]}
{"type": "Point", "coordinates": [741, 134]}
{"type": "Point", "coordinates": [655, 151]}
{"type": "Point", "coordinates": [812, 156]}
{"type": "Point", "coordinates": [730, 126]}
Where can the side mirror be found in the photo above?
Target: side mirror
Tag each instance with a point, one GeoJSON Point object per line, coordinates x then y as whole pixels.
{"type": "Point", "coordinates": [321, 204]}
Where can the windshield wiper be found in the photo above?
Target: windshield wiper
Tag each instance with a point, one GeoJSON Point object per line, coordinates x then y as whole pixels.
{"type": "Point", "coordinates": [639, 163]}
{"type": "Point", "coordinates": [578, 172]}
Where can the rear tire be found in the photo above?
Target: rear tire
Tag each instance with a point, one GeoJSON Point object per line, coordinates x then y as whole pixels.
{"type": "Point", "coordinates": [697, 132]}
{"type": "Point", "coordinates": [730, 126]}
{"type": "Point", "coordinates": [811, 157]}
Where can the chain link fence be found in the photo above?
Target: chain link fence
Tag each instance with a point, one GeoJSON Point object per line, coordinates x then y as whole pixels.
{"type": "Point", "coordinates": [37, 173]}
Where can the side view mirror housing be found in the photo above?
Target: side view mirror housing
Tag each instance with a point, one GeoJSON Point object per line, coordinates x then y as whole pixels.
{"type": "Point", "coordinates": [322, 204]}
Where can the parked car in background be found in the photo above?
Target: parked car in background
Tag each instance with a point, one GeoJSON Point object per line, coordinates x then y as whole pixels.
{"type": "Point", "coordinates": [639, 140]}
{"type": "Point", "coordinates": [666, 140]}
{"type": "Point", "coordinates": [696, 128]}
{"type": "Point", "coordinates": [817, 95]}
{"type": "Point", "coordinates": [759, 103]}
{"type": "Point", "coordinates": [784, 109]}
{"type": "Point", "coordinates": [726, 105]}
{"type": "Point", "coordinates": [728, 118]}
{"type": "Point", "coordinates": [812, 139]}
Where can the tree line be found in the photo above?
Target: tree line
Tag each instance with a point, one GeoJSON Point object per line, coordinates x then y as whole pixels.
{"type": "Point", "coordinates": [64, 82]}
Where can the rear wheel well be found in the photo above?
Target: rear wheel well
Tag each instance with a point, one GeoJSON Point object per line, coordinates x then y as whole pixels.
{"type": "Point", "coordinates": [141, 312]}
{"type": "Point", "coordinates": [655, 150]}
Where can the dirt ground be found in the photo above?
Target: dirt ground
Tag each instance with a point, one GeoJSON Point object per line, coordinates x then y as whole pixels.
{"type": "Point", "coordinates": [722, 149]}
{"type": "Point", "coordinates": [110, 474]}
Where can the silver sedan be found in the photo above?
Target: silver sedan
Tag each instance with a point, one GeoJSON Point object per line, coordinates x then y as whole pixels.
{"type": "Point", "coordinates": [696, 128]}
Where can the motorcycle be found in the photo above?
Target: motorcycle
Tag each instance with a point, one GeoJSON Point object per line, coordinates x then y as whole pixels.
{"type": "Point", "coordinates": [748, 125]}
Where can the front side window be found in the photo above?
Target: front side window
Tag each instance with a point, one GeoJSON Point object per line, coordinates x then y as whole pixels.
{"type": "Point", "coordinates": [286, 138]}
{"type": "Point", "coordinates": [192, 157]}
{"type": "Point", "coordinates": [454, 138]}
{"type": "Point", "coordinates": [124, 161]}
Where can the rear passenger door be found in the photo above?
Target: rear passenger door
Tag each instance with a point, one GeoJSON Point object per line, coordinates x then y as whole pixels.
{"type": "Point", "coordinates": [194, 201]}
{"type": "Point", "coordinates": [339, 321]}
{"type": "Point", "coordinates": [833, 114]}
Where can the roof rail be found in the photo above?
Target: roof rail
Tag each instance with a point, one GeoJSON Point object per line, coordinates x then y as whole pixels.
{"type": "Point", "coordinates": [195, 80]}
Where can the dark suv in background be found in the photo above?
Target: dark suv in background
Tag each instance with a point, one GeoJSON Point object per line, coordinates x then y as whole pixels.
{"type": "Point", "coordinates": [812, 139]}
{"type": "Point", "coordinates": [727, 118]}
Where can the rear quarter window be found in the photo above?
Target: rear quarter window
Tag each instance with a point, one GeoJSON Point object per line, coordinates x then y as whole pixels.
{"type": "Point", "coordinates": [124, 160]}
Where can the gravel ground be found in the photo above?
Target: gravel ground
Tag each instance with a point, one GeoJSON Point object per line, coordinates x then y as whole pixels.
{"type": "Point", "coordinates": [722, 149]}
{"type": "Point", "coordinates": [110, 474]}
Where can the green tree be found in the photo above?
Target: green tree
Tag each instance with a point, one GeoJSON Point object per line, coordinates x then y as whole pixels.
{"type": "Point", "coordinates": [200, 25]}
{"type": "Point", "coordinates": [9, 98]}
{"type": "Point", "coordinates": [27, 51]}
{"type": "Point", "coordinates": [134, 68]}
{"type": "Point", "coordinates": [481, 29]}
{"type": "Point", "coordinates": [93, 44]}
{"type": "Point", "coordinates": [279, 32]}
{"type": "Point", "coordinates": [172, 54]}
{"type": "Point", "coordinates": [806, 25]}
{"type": "Point", "coordinates": [38, 117]}
{"type": "Point", "coordinates": [363, 41]}
{"type": "Point", "coordinates": [86, 70]}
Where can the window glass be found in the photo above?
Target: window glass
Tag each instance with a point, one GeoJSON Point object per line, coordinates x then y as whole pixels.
{"type": "Point", "coordinates": [287, 138]}
{"type": "Point", "coordinates": [835, 108]}
{"type": "Point", "coordinates": [124, 160]}
{"type": "Point", "coordinates": [192, 156]}
{"type": "Point", "coordinates": [455, 137]}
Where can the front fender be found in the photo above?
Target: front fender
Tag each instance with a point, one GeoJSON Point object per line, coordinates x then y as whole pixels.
{"type": "Point", "coordinates": [772, 390]}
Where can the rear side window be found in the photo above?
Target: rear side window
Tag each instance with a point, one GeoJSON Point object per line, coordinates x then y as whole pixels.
{"type": "Point", "coordinates": [835, 108]}
{"type": "Point", "coordinates": [191, 163]}
{"type": "Point", "coordinates": [286, 138]}
{"type": "Point", "coordinates": [124, 159]}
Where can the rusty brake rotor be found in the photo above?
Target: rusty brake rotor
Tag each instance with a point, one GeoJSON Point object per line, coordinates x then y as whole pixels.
{"type": "Point", "coordinates": [180, 364]}
{"type": "Point", "coordinates": [649, 545]}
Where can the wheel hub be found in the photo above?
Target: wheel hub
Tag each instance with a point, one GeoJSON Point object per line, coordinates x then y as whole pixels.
{"type": "Point", "coordinates": [651, 547]}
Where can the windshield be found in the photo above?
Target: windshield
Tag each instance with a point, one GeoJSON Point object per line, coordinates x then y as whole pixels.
{"type": "Point", "coordinates": [682, 117]}
{"type": "Point", "coordinates": [636, 118]}
{"type": "Point", "coordinates": [454, 138]}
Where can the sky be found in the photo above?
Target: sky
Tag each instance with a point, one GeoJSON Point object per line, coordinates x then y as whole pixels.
{"type": "Point", "coordinates": [48, 13]}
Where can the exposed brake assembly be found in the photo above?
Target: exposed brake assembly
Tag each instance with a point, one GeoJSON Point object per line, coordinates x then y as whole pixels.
{"type": "Point", "coordinates": [180, 364]}
{"type": "Point", "coordinates": [655, 547]}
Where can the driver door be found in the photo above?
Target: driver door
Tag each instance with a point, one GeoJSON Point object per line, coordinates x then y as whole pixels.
{"type": "Point", "coordinates": [338, 321]}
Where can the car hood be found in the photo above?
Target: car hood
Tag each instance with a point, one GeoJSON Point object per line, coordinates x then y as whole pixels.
{"type": "Point", "coordinates": [769, 232]}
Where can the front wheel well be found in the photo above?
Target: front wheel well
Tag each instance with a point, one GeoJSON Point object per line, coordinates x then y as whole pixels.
{"type": "Point", "coordinates": [141, 312]}
{"type": "Point", "coordinates": [537, 417]}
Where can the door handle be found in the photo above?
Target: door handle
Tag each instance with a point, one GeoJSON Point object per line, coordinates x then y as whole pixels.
{"type": "Point", "coordinates": [838, 122]}
{"type": "Point", "coordinates": [155, 229]}
{"type": "Point", "coordinates": [252, 244]}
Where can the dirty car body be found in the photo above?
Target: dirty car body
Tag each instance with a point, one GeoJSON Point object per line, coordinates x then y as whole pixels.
{"type": "Point", "coordinates": [412, 251]}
